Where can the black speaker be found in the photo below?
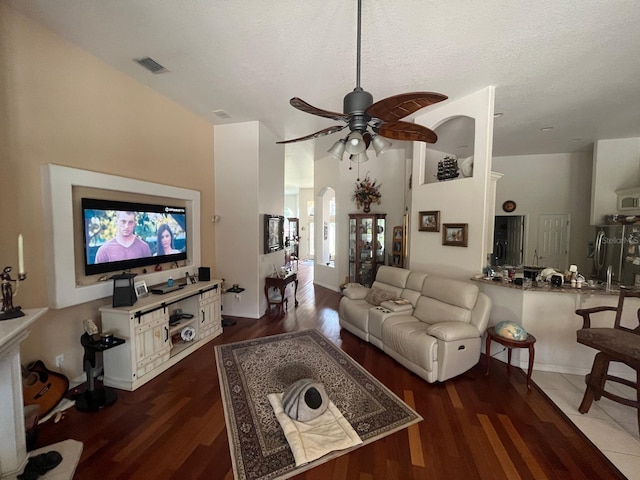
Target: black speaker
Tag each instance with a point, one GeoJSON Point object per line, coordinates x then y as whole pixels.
{"type": "Point", "coordinates": [124, 293]}
{"type": "Point", "coordinates": [204, 274]}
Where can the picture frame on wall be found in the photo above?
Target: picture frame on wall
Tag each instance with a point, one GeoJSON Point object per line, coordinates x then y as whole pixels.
{"type": "Point", "coordinates": [455, 234]}
{"type": "Point", "coordinates": [429, 221]}
{"type": "Point", "coordinates": [140, 288]}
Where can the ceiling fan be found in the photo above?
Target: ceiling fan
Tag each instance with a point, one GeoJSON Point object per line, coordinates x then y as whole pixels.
{"type": "Point", "coordinates": [382, 118]}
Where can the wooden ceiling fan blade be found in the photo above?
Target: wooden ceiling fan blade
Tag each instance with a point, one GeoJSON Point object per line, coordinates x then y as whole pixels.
{"type": "Point", "coordinates": [320, 133]}
{"type": "Point", "coordinates": [411, 132]}
{"type": "Point", "coordinates": [307, 108]}
{"type": "Point", "coordinates": [399, 106]}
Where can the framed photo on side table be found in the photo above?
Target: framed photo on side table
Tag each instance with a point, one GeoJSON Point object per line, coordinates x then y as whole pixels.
{"type": "Point", "coordinates": [429, 221]}
{"type": "Point", "coordinates": [140, 288]}
{"type": "Point", "coordinates": [455, 234]}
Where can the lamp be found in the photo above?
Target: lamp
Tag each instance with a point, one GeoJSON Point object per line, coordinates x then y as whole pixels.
{"type": "Point", "coordinates": [380, 145]}
{"type": "Point", "coordinates": [338, 149]}
{"type": "Point", "coordinates": [359, 158]}
{"type": "Point", "coordinates": [355, 144]}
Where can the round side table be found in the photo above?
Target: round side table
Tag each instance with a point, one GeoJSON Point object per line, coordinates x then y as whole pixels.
{"type": "Point", "coordinates": [510, 344]}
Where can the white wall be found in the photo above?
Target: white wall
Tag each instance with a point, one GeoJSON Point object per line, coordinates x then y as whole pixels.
{"type": "Point", "coordinates": [249, 182]}
{"type": "Point", "coordinates": [390, 170]}
{"type": "Point", "coordinates": [616, 165]}
{"type": "Point", "coordinates": [549, 184]}
{"type": "Point", "coordinates": [463, 200]}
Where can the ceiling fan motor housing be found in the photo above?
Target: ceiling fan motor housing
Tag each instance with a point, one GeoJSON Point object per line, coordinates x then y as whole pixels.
{"type": "Point", "coordinates": [355, 104]}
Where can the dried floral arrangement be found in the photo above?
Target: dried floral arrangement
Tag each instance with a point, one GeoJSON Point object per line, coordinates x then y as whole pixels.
{"type": "Point", "coordinates": [366, 192]}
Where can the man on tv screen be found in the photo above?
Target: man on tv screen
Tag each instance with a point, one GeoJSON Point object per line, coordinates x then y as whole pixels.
{"type": "Point", "coordinates": [125, 245]}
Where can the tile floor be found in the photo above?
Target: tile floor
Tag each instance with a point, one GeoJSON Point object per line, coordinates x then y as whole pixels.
{"type": "Point", "coordinates": [611, 426]}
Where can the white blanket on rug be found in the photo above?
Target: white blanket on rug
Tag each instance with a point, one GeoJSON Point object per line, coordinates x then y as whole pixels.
{"type": "Point", "coordinates": [311, 440]}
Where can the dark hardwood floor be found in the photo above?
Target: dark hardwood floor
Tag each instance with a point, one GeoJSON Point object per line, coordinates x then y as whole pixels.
{"type": "Point", "coordinates": [474, 426]}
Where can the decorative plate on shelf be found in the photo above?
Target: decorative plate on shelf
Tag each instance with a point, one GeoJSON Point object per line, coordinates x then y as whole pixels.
{"type": "Point", "coordinates": [509, 206]}
{"type": "Point", "coordinates": [380, 229]}
{"type": "Point", "coordinates": [188, 334]}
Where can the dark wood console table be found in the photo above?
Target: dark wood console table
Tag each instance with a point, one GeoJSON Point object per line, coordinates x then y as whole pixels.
{"type": "Point", "coordinates": [280, 284]}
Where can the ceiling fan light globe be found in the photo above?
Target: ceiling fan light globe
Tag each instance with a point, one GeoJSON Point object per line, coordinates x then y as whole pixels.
{"type": "Point", "coordinates": [337, 150]}
{"type": "Point", "coordinates": [355, 144]}
{"type": "Point", "coordinates": [360, 157]}
{"type": "Point", "coordinates": [380, 144]}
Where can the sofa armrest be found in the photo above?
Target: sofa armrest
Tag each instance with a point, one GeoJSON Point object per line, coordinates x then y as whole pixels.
{"type": "Point", "coordinates": [452, 331]}
{"type": "Point", "coordinates": [355, 292]}
{"type": "Point", "coordinates": [392, 306]}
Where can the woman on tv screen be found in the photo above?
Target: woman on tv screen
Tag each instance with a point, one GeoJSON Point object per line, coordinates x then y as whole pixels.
{"type": "Point", "coordinates": [164, 244]}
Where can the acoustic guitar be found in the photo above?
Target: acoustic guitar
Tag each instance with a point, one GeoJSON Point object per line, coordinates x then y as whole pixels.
{"type": "Point", "coordinates": [42, 387]}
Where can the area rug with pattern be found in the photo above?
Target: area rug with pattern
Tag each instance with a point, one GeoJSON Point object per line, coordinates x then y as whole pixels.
{"type": "Point", "coordinates": [251, 370]}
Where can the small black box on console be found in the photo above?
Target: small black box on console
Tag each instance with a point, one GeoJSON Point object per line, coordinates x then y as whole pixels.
{"type": "Point", "coordinates": [204, 274]}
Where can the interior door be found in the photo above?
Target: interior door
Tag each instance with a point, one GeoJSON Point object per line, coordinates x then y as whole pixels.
{"type": "Point", "coordinates": [553, 241]}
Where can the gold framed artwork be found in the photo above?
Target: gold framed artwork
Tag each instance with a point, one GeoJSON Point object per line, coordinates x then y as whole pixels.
{"type": "Point", "coordinates": [429, 221]}
{"type": "Point", "coordinates": [455, 234]}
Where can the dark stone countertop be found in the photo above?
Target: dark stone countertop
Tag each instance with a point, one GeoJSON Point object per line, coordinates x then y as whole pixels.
{"type": "Point", "coordinates": [547, 287]}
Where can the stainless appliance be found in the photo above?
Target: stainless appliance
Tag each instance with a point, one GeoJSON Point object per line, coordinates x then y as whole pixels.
{"type": "Point", "coordinates": [617, 246]}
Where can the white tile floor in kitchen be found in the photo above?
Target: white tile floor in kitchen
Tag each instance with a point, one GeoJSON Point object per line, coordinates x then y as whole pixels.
{"type": "Point", "coordinates": [610, 426]}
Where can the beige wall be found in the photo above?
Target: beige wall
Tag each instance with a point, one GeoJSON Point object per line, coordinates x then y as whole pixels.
{"type": "Point", "coordinates": [60, 105]}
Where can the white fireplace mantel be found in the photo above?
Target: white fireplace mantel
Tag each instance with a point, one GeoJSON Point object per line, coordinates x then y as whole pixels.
{"type": "Point", "coordinates": [13, 449]}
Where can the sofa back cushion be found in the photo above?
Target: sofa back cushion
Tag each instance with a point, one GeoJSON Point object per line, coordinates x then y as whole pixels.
{"type": "Point", "coordinates": [391, 276]}
{"type": "Point", "coordinates": [446, 300]}
{"type": "Point", "coordinates": [413, 289]}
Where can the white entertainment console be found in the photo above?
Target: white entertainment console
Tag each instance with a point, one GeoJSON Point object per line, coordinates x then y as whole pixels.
{"type": "Point", "coordinates": [151, 344]}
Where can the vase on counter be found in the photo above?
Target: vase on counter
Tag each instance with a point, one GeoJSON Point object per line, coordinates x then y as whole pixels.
{"type": "Point", "coordinates": [367, 207]}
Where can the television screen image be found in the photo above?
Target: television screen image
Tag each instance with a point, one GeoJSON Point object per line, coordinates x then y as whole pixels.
{"type": "Point", "coordinates": [122, 235]}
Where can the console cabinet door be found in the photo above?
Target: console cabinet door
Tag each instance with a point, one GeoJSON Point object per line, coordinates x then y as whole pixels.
{"type": "Point", "coordinates": [152, 341]}
{"type": "Point", "coordinates": [210, 318]}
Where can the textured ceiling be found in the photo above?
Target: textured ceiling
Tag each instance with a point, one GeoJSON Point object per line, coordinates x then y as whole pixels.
{"type": "Point", "coordinates": [572, 65]}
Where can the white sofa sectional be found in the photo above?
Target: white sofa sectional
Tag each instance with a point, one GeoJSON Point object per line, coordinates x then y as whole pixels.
{"type": "Point", "coordinates": [436, 332]}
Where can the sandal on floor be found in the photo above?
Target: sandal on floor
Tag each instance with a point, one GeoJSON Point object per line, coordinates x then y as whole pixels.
{"type": "Point", "coordinates": [40, 464]}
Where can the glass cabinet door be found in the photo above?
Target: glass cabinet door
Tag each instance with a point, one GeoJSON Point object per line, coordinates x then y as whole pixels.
{"type": "Point", "coordinates": [366, 247]}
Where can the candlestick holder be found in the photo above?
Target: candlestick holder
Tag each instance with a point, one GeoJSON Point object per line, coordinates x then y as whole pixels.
{"type": "Point", "coordinates": [10, 289]}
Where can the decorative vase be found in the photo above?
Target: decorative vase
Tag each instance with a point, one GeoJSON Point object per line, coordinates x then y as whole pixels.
{"type": "Point", "coordinates": [367, 207]}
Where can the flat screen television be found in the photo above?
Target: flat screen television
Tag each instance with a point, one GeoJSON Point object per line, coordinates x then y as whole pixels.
{"type": "Point", "coordinates": [122, 235]}
{"type": "Point", "coordinates": [273, 233]}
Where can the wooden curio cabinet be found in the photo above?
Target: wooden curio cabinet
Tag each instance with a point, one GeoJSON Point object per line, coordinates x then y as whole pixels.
{"type": "Point", "coordinates": [366, 246]}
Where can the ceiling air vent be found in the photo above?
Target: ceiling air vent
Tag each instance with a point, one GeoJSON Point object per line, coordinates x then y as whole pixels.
{"type": "Point", "coordinates": [221, 114]}
{"type": "Point", "coordinates": [150, 64]}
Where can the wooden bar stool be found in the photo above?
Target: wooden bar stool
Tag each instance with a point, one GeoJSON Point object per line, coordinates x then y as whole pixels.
{"type": "Point", "coordinates": [617, 344]}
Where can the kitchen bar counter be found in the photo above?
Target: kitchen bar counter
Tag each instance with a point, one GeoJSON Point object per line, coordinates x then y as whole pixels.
{"type": "Point", "coordinates": [547, 287]}
{"type": "Point", "coordinates": [548, 313]}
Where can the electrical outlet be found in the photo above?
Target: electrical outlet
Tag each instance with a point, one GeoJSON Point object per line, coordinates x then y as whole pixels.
{"type": "Point", "coordinates": [59, 360]}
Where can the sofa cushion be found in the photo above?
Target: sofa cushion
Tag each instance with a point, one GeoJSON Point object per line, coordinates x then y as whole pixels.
{"type": "Point", "coordinates": [393, 276]}
{"type": "Point", "coordinates": [413, 289]}
{"type": "Point", "coordinates": [377, 295]}
{"type": "Point", "coordinates": [409, 338]}
{"type": "Point", "coordinates": [452, 331]}
{"type": "Point", "coordinates": [430, 310]}
{"type": "Point", "coordinates": [356, 292]}
{"type": "Point", "coordinates": [454, 292]}
{"type": "Point", "coordinates": [356, 312]}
